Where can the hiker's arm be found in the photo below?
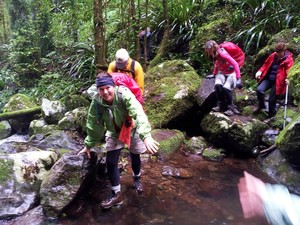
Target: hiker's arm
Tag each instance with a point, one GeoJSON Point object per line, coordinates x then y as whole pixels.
{"type": "Point", "coordinates": [139, 76]}
{"type": "Point", "coordinates": [94, 127]}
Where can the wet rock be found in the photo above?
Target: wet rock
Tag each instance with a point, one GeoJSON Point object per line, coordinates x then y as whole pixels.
{"type": "Point", "coordinates": [176, 172]}
{"type": "Point", "coordinates": [196, 145]}
{"type": "Point", "coordinates": [21, 176]}
{"type": "Point", "coordinates": [169, 140]}
{"type": "Point", "coordinates": [269, 137]}
{"type": "Point", "coordinates": [288, 142]}
{"type": "Point", "coordinates": [68, 176]}
{"type": "Point", "coordinates": [5, 129]}
{"type": "Point", "coordinates": [52, 111]}
{"type": "Point", "coordinates": [212, 154]}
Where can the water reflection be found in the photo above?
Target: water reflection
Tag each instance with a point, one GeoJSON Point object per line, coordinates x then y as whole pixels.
{"type": "Point", "coordinates": [209, 195]}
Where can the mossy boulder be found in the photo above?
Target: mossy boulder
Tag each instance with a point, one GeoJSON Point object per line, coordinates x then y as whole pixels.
{"type": "Point", "coordinates": [20, 102]}
{"type": "Point", "coordinates": [170, 92]}
{"type": "Point", "coordinates": [294, 77]}
{"type": "Point", "coordinates": [237, 134]}
{"type": "Point", "coordinates": [288, 142]}
{"type": "Point", "coordinates": [74, 101]}
{"type": "Point", "coordinates": [169, 140]}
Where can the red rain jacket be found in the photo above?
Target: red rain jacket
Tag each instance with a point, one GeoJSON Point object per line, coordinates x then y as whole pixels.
{"type": "Point", "coordinates": [282, 71]}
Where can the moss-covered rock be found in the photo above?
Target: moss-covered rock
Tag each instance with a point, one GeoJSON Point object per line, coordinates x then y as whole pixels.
{"type": "Point", "coordinates": [294, 77]}
{"type": "Point", "coordinates": [74, 101]}
{"type": "Point", "coordinates": [237, 134]}
{"type": "Point", "coordinates": [171, 88]}
{"type": "Point", "coordinates": [212, 154]}
{"type": "Point", "coordinates": [196, 145]}
{"type": "Point", "coordinates": [169, 140]}
{"type": "Point", "coordinates": [288, 142]}
{"type": "Point", "coordinates": [20, 102]}
{"type": "Point", "coordinates": [5, 129]}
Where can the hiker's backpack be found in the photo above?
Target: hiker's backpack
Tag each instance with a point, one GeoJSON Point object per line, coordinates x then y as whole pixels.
{"type": "Point", "coordinates": [122, 79]}
{"type": "Point", "coordinates": [234, 51]}
{"type": "Point", "coordinates": [127, 71]}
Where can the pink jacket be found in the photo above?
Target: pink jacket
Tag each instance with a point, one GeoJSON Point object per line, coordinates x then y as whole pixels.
{"type": "Point", "coordinates": [223, 63]}
{"type": "Point", "coordinates": [127, 81]}
{"type": "Point", "coordinates": [282, 71]}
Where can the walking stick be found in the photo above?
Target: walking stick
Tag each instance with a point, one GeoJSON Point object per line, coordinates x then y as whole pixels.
{"type": "Point", "coordinates": [285, 104]}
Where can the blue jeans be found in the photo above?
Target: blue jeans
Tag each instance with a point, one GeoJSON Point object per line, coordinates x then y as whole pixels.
{"type": "Point", "coordinates": [260, 92]}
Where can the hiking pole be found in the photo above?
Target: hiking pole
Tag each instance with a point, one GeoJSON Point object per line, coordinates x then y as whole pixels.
{"type": "Point", "coordinates": [285, 104]}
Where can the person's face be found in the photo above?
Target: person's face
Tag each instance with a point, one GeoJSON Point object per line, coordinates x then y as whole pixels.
{"type": "Point", "coordinates": [280, 53]}
{"type": "Point", "coordinates": [211, 53]}
{"type": "Point", "coordinates": [107, 93]}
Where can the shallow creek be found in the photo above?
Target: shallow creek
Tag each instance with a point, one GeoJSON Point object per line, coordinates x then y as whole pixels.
{"type": "Point", "coordinates": [206, 193]}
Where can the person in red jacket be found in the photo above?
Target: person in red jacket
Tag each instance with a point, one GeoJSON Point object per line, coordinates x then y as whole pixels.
{"type": "Point", "coordinates": [273, 75]}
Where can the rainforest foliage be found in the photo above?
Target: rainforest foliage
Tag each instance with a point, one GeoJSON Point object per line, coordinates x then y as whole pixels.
{"type": "Point", "coordinates": [52, 48]}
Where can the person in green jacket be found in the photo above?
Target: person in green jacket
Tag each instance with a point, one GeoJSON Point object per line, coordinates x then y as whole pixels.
{"type": "Point", "coordinates": [108, 114]}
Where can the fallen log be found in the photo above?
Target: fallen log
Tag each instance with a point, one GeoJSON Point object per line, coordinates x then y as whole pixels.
{"type": "Point", "coordinates": [20, 113]}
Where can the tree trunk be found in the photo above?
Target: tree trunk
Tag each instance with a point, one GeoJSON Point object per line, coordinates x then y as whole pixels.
{"type": "Point", "coordinates": [20, 113]}
{"type": "Point", "coordinates": [164, 43]}
{"type": "Point", "coordinates": [99, 37]}
{"type": "Point", "coordinates": [145, 37]}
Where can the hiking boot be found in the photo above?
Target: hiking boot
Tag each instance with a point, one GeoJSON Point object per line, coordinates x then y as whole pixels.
{"type": "Point", "coordinates": [234, 109]}
{"type": "Point", "coordinates": [218, 108]}
{"type": "Point", "coordinates": [138, 185]}
{"type": "Point", "coordinates": [229, 112]}
{"type": "Point", "coordinates": [114, 199]}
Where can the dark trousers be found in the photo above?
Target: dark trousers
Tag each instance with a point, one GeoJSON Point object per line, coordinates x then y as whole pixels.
{"type": "Point", "coordinates": [260, 92]}
{"type": "Point", "coordinates": [147, 48]}
{"type": "Point", "coordinates": [112, 160]}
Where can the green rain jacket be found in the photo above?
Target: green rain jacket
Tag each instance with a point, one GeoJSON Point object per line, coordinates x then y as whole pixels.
{"type": "Point", "coordinates": [110, 118]}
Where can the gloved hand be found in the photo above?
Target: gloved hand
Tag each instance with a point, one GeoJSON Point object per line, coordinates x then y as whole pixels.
{"type": "Point", "coordinates": [239, 83]}
{"type": "Point", "coordinates": [258, 74]}
{"type": "Point", "coordinates": [210, 76]}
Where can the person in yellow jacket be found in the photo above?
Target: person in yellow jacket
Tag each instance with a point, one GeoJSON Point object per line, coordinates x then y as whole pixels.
{"type": "Point", "coordinates": [125, 64]}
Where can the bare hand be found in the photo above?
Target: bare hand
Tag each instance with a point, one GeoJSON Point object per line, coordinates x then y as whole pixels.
{"type": "Point", "coordinates": [85, 150]}
{"type": "Point", "coordinates": [287, 82]}
{"type": "Point", "coordinates": [151, 145]}
{"type": "Point", "coordinates": [257, 75]}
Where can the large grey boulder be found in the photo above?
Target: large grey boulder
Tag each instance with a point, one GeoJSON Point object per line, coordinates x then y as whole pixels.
{"type": "Point", "coordinates": [20, 179]}
{"type": "Point", "coordinates": [64, 181]}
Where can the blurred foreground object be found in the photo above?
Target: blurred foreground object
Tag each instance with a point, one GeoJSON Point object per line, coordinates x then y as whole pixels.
{"type": "Point", "coordinates": [273, 201]}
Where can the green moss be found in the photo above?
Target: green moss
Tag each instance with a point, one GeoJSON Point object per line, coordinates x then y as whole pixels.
{"type": "Point", "coordinates": [169, 140]}
{"type": "Point", "coordinates": [294, 77]}
{"type": "Point", "coordinates": [172, 86]}
{"type": "Point", "coordinates": [212, 154]}
{"type": "Point", "coordinates": [74, 101]}
{"type": "Point", "coordinates": [5, 169]}
{"type": "Point", "coordinates": [19, 102]}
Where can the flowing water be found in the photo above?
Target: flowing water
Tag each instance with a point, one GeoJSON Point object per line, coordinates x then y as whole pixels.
{"type": "Point", "coordinates": [201, 193]}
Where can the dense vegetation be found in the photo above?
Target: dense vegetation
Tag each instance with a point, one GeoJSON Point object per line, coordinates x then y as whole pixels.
{"type": "Point", "coordinates": [48, 47]}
